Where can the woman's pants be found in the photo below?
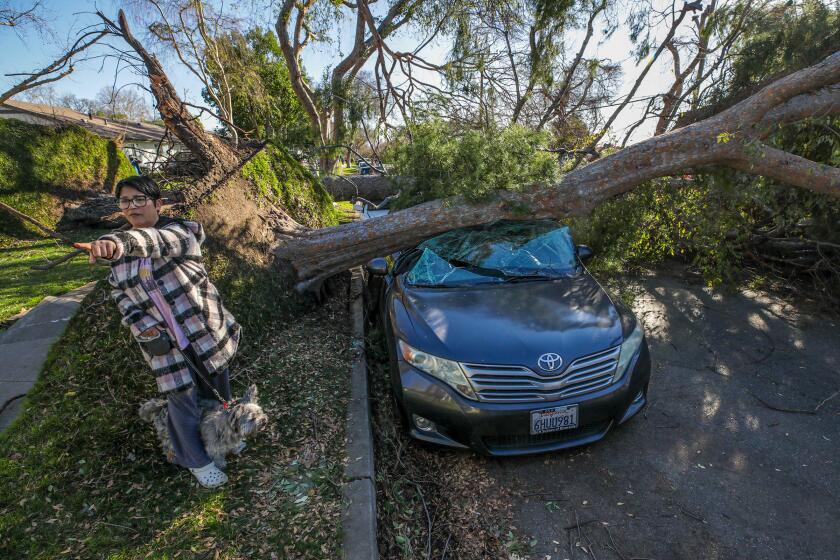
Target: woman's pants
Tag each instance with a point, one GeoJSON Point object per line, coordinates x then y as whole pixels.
{"type": "Point", "coordinates": [185, 413]}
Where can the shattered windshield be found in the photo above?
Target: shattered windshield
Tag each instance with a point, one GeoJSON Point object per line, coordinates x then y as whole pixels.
{"type": "Point", "coordinates": [500, 252]}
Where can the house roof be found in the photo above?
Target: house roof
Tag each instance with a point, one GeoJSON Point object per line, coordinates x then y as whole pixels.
{"type": "Point", "coordinates": [132, 131]}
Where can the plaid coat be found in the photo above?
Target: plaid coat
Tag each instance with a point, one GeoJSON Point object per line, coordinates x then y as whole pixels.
{"type": "Point", "coordinates": [175, 252]}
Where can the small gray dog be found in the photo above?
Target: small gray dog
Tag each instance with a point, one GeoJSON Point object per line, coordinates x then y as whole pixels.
{"type": "Point", "coordinates": [222, 431]}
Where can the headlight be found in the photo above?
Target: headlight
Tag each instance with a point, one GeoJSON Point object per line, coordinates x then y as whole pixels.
{"type": "Point", "coordinates": [446, 370]}
{"type": "Point", "coordinates": [628, 349]}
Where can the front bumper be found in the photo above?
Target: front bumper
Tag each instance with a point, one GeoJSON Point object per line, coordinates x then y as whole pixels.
{"type": "Point", "coordinates": [503, 429]}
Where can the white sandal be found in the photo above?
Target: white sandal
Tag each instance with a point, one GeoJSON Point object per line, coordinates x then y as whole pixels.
{"type": "Point", "coordinates": [209, 476]}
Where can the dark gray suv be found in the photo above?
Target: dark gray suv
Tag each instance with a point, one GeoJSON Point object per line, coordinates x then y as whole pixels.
{"type": "Point", "coordinates": [501, 341]}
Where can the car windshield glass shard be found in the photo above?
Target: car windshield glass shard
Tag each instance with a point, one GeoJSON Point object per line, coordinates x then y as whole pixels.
{"type": "Point", "coordinates": [431, 270]}
{"type": "Point", "coordinates": [499, 252]}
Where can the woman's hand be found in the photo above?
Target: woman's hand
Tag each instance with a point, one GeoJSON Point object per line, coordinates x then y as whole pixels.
{"type": "Point", "coordinates": [101, 248]}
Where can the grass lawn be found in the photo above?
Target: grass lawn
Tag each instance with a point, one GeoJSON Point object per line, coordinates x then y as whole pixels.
{"type": "Point", "coordinates": [345, 211]}
{"type": "Point", "coordinates": [22, 287]}
{"type": "Point", "coordinates": [82, 476]}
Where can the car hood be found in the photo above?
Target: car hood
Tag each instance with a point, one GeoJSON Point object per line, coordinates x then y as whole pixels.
{"type": "Point", "coordinates": [512, 323]}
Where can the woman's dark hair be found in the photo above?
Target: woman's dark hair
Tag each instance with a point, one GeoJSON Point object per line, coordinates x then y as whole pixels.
{"type": "Point", "coordinates": [142, 184]}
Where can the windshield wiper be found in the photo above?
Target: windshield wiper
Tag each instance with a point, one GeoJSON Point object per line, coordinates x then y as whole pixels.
{"type": "Point", "coordinates": [480, 270]}
{"type": "Point", "coordinates": [511, 278]}
{"type": "Point", "coordinates": [501, 274]}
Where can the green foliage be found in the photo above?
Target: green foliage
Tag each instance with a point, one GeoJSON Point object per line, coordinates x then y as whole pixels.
{"type": "Point", "coordinates": [798, 212]}
{"type": "Point", "coordinates": [36, 162]}
{"type": "Point", "coordinates": [717, 220]}
{"type": "Point", "coordinates": [264, 103]}
{"type": "Point", "coordinates": [712, 220]}
{"type": "Point", "coordinates": [443, 162]}
{"type": "Point", "coordinates": [787, 37]}
{"type": "Point", "coordinates": [657, 220]}
{"type": "Point", "coordinates": [283, 180]}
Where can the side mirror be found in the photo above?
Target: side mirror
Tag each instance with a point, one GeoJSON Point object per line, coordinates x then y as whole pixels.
{"type": "Point", "coordinates": [584, 253]}
{"type": "Point", "coordinates": [377, 266]}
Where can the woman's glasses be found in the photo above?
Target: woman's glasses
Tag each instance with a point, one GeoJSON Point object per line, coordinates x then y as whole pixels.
{"type": "Point", "coordinates": [138, 201]}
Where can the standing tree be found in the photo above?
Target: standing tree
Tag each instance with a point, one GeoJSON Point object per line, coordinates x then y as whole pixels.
{"type": "Point", "coordinates": [120, 103]}
{"type": "Point", "coordinates": [301, 23]}
{"type": "Point", "coordinates": [516, 62]}
{"type": "Point", "coordinates": [698, 56]}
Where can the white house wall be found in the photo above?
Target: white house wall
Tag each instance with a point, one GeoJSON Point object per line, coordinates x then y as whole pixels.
{"type": "Point", "coordinates": [146, 153]}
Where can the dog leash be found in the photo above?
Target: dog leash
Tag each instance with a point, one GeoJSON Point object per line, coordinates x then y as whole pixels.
{"type": "Point", "coordinates": [161, 344]}
{"type": "Point", "coordinates": [225, 403]}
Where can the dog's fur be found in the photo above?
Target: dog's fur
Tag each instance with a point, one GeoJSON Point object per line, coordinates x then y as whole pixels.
{"type": "Point", "coordinates": [221, 430]}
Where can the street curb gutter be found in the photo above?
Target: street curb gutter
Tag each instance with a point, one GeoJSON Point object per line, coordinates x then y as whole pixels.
{"type": "Point", "coordinates": [358, 514]}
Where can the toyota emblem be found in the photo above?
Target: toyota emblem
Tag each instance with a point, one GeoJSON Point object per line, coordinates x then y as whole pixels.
{"type": "Point", "coordinates": [550, 361]}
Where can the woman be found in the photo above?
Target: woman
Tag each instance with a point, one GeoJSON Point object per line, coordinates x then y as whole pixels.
{"type": "Point", "coordinates": [160, 285]}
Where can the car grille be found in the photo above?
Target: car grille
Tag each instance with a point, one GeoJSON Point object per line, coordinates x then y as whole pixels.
{"type": "Point", "coordinates": [513, 384]}
{"type": "Point", "coordinates": [499, 443]}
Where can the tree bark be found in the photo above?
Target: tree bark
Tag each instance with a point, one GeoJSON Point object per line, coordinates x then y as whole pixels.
{"type": "Point", "coordinates": [731, 139]}
{"type": "Point", "coordinates": [371, 187]}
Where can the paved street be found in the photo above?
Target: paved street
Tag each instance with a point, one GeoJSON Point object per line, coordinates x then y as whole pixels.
{"type": "Point", "coordinates": [711, 470]}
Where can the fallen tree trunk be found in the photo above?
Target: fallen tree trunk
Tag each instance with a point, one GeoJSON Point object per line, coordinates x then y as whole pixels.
{"type": "Point", "coordinates": [733, 139]}
{"type": "Point", "coordinates": [371, 187]}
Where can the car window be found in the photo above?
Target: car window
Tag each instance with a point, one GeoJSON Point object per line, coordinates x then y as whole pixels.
{"type": "Point", "coordinates": [495, 253]}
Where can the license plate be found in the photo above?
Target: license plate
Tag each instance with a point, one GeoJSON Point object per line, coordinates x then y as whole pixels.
{"type": "Point", "coordinates": [554, 419]}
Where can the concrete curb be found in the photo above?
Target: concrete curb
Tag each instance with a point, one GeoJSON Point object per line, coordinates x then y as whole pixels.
{"type": "Point", "coordinates": [25, 345]}
{"type": "Point", "coordinates": [358, 515]}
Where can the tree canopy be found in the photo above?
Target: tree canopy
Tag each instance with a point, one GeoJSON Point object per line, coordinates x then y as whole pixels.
{"type": "Point", "coordinates": [262, 100]}
{"type": "Point", "coordinates": [508, 108]}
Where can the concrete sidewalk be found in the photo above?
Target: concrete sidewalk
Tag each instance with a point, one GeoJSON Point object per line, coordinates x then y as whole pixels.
{"type": "Point", "coordinates": [25, 345]}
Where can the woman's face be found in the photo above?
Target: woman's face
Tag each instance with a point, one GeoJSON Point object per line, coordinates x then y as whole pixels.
{"type": "Point", "coordinates": [142, 216]}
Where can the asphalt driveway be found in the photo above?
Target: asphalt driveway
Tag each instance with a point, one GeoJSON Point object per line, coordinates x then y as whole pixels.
{"type": "Point", "coordinates": [737, 455]}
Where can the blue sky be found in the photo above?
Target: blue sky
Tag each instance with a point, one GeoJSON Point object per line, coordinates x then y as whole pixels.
{"type": "Point", "coordinates": [21, 54]}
